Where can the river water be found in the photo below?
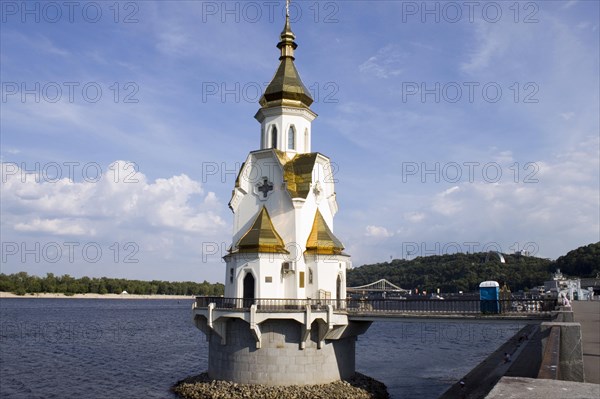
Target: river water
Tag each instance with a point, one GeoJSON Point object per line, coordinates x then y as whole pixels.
{"type": "Point", "coordinates": [99, 348]}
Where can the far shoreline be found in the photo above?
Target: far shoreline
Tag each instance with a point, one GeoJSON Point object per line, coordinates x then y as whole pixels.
{"type": "Point", "coordinates": [48, 295]}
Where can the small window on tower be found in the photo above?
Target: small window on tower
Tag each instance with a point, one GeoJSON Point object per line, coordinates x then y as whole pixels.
{"type": "Point", "coordinates": [310, 276]}
{"type": "Point", "coordinates": [231, 275]}
{"type": "Point", "coordinates": [274, 137]}
{"type": "Point", "coordinates": [292, 138]}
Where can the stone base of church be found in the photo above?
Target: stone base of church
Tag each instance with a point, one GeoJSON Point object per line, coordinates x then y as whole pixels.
{"type": "Point", "coordinates": [285, 357]}
{"type": "Point", "coordinates": [358, 387]}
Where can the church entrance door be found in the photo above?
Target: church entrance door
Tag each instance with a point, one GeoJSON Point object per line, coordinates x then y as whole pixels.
{"type": "Point", "coordinates": [248, 290]}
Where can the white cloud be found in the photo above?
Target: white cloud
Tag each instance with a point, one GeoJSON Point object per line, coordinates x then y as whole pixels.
{"type": "Point", "coordinates": [49, 205]}
{"type": "Point", "coordinates": [492, 40]}
{"type": "Point", "coordinates": [567, 115]}
{"type": "Point", "coordinates": [415, 217]}
{"type": "Point", "coordinates": [41, 43]}
{"type": "Point", "coordinates": [59, 227]}
{"type": "Point", "coordinates": [174, 41]}
{"type": "Point", "coordinates": [569, 4]}
{"type": "Point", "coordinates": [388, 62]}
{"type": "Point", "coordinates": [504, 157]}
{"type": "Point", "coordinates": [447, 202]}
{"type": "Point", "coordinates": [161, 223]}
{"type": "Point", "coordinates": [378, 231]}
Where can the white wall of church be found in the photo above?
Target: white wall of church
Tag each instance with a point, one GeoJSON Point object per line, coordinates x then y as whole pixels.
{"type": "Point", "coordinates": [269, 279]}
{"type": "Point", "coordinates": [293, 220]}
{"type": "Point", "coordinates": [326, 269]}
{"type": "Point", "coordinates": [278, 202]}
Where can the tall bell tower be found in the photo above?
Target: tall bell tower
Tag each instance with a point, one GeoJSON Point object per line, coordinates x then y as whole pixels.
{"type": "Point", "coordinates": [283, 318]}
{"type": "Point", "coordinates": [285, 115]}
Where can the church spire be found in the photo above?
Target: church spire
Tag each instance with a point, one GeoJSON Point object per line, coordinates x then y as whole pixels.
{"type": "Point", "coordinates": [287, 44]}
{"type": "Point", "coordinates": [286, 87]}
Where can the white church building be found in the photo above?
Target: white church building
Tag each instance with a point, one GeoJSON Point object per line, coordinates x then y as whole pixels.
{"type": "Point", "coordinates": [284, 201]}
{"type": "Point", "coordinates": [283, 252]}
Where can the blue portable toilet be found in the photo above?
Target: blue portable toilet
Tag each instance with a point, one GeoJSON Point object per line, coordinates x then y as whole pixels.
{"type": "Point", "coordinates": [489, 295]}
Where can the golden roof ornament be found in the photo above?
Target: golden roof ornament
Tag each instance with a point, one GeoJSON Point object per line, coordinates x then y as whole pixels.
{"type": "Point", "coordinates": [287, 44]}
{"type": "Point", "coordinates": [286, 87]}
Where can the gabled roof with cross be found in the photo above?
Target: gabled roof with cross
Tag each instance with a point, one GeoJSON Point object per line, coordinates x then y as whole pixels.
{"type": "Point", "coordinates": [297, 171]}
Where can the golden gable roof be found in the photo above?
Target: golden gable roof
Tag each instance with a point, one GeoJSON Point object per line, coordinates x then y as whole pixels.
{"type": "Point", "coordinates": [321, 239]}
{"type": "Point", "coordinates": [262, 236]}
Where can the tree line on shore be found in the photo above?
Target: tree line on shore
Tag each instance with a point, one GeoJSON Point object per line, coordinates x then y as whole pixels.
{"type": "Point", "coordinates": [449, 273]}
{"type": "Point", "coordinates": [464, 272]}
{"type": "Point", "coordinates": [22, 283]}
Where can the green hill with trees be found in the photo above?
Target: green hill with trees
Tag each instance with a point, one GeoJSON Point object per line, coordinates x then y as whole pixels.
{"type": "Point", "coordinates": [464, 272]}
{"type": "Point", "coordinates": [583, 261]}
{"type": "Point", "coordinates": [22, 283]}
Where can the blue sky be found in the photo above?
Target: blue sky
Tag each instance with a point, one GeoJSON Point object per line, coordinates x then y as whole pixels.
{"type": "Point", "coordinates": [453, 126]}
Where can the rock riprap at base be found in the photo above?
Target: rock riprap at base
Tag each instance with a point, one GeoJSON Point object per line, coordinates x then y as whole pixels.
{"type": "Point", "coordinates": [358, 387]}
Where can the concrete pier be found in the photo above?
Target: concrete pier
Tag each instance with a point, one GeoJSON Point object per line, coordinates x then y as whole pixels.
{"type": "Point", "coordinates": [587, 313]}
{"type": "Point", "coordinates": [284, 358]}
{"type": "Point", "coordinates": [586, 318]}
{"type": "Point", "coordinates": [532, 388]}
{"type": "Point", "coordinates": [477, 383]}
{"type": "Point", "coordinates": [570, 353]}
{"type": "Point", "coordinates": [277, 347]}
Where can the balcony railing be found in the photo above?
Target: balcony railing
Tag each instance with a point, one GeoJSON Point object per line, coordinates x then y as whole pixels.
{"type": "Point", "coordinates": [385, 306]}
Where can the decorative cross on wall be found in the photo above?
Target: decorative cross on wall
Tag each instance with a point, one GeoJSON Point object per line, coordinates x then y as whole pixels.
{"type": "Point", "coordinates": [265, 188]}
{"type": "Point", "coordinates": [317, 189]}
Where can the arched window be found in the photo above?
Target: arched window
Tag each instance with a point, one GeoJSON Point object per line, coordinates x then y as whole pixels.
{"type": "Point", "coordinates": [274, 137]}
{"type": "Point", "coordinates": [292, 138]}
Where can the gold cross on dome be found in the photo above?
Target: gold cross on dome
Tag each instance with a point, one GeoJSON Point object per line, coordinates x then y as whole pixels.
{"type": "Point", "coordinates": [287, 8]}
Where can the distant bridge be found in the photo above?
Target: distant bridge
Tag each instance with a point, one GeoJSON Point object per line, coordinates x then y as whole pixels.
{"type": "Point", "coordinates": [381, 285]}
